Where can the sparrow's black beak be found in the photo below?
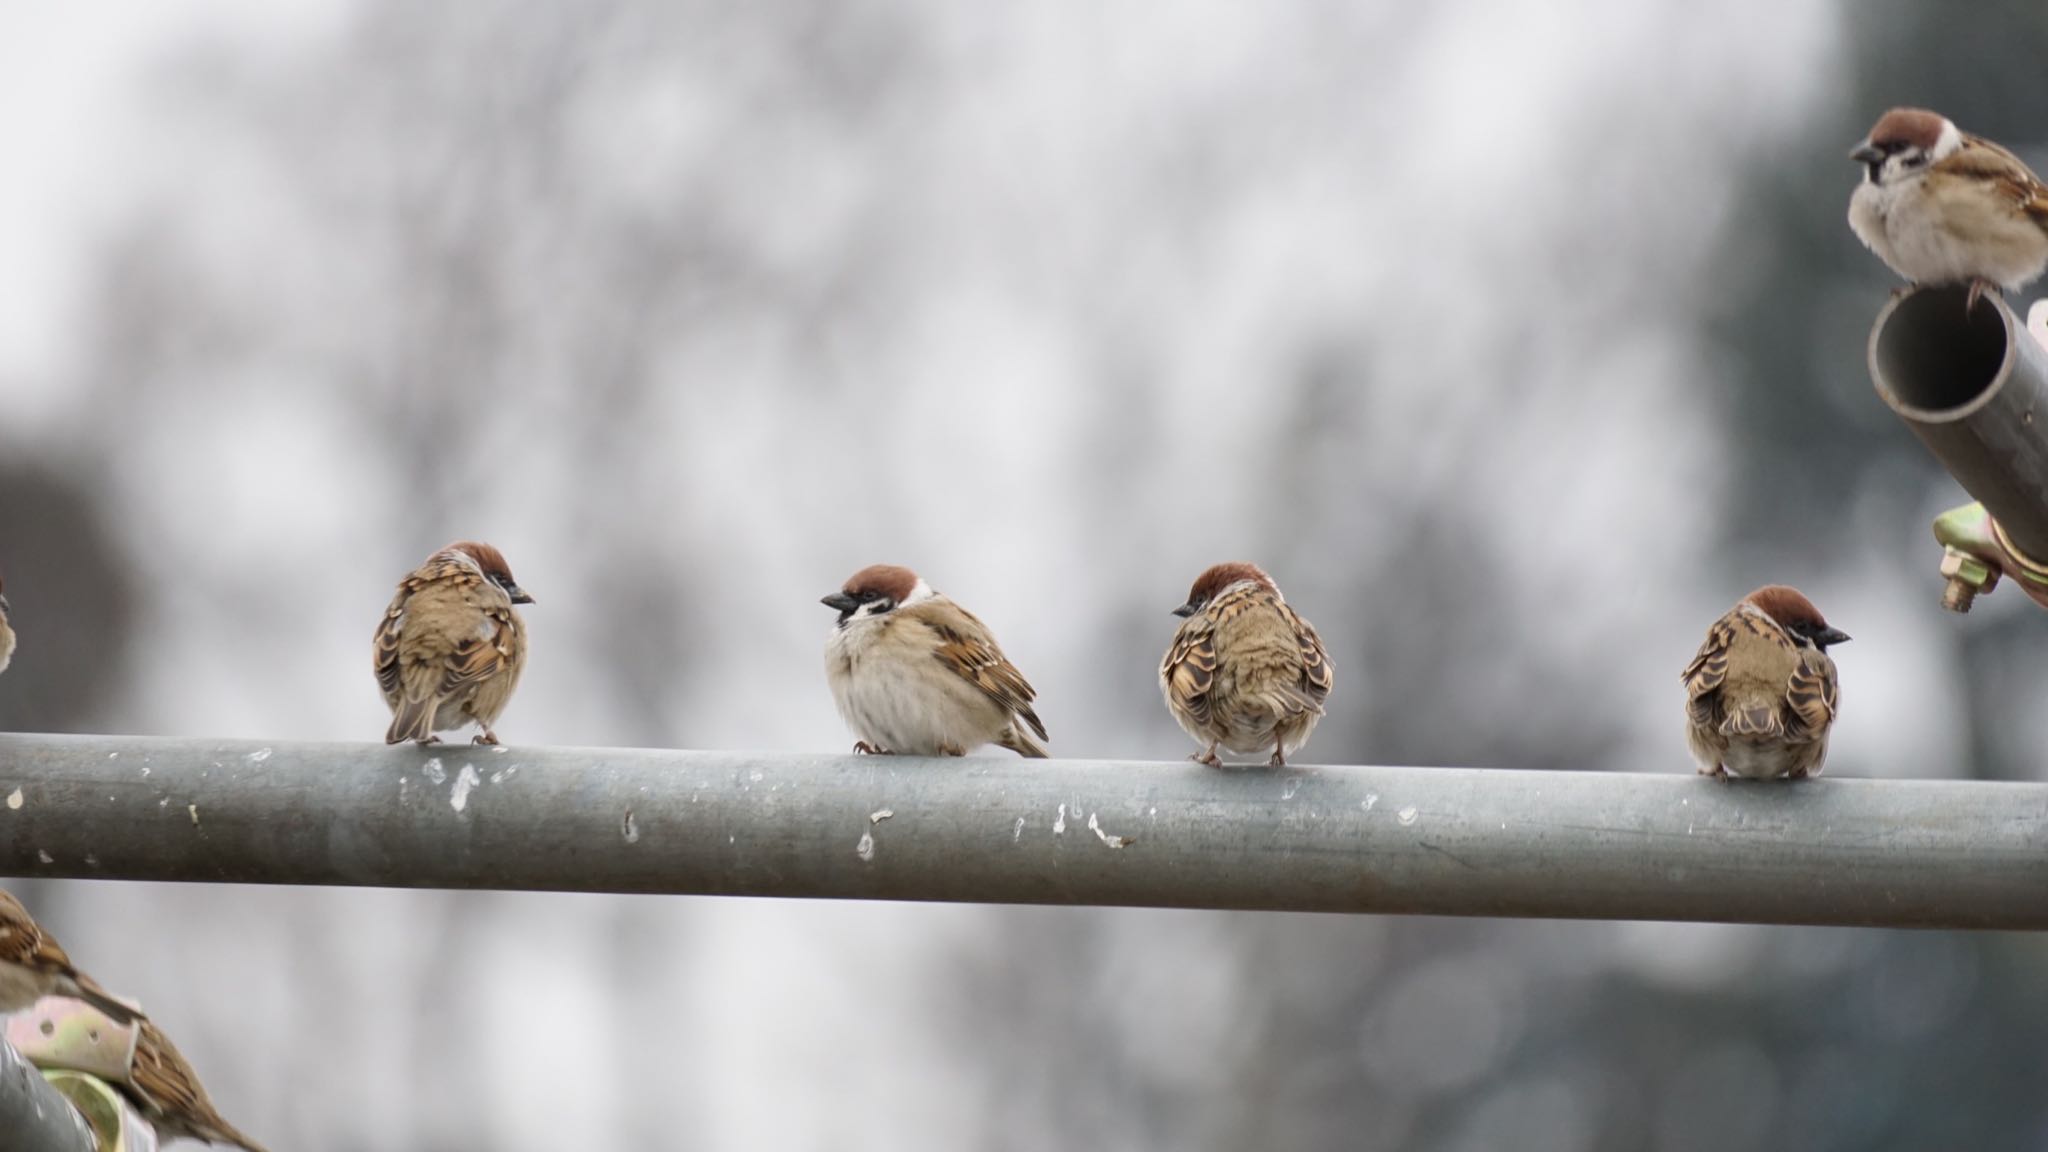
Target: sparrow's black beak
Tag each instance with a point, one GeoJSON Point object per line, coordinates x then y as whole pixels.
{"type": "Point", "coordinates": [1867, 154]}
{"type": "Point", "coordinates": [518, 595]}
{"type": "Point", "coordinates": [1827, 636]}
{"type": "Point", "coordinates": [1185, 611]}
{"type": "Point", "coordinates": [840, 602]}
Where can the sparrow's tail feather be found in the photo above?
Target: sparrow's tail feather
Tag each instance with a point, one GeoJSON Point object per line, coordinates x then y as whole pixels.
{"type": "Point", "coordinates": [1755, 722]}
{"type": "Point", "coordinates": [1021, 744]}
{"type": "Point", "coordinates": [222, 1132]}
{"type": "Point", "coordinates": [1287, 700]}
{"type": "Point", "coordinates": [414, 720]}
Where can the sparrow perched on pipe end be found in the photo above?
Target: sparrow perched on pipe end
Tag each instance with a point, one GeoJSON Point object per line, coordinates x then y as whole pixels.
{"type": "Point", "coordinates": [1244, 672]}
{"type": "Point", "coordinates": [915, 674]}
{"type": "Point", "coordinates": [1761, 695]}
{"type": "Point", "coordinates": [1943, 207]}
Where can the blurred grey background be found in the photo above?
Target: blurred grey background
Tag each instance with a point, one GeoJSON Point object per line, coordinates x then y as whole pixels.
{"type": "Point", "coordinates": [1516, 342]}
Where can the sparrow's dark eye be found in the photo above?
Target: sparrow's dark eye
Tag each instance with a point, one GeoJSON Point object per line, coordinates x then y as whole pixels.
{"type": "Point", "coordinates": [870, 596]}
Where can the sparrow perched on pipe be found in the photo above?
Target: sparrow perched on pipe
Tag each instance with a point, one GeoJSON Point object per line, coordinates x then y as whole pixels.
{"type": "Point", "coordinates": [915, 674]}
{"type": "Point", "coordinates": [6, 635]}
{"type": "Point", "coordinates": [1760, 696]}
{"type": "Point", "coordinates": [165, 1090]}
{"type": "Point", "coordinates": [450, 648]}
{"type": "Point", "coordinates": [33, 965]}
{"type": "Point", "coordinates": [1942, 207]}
{"type": "Point", "coordinates": [1245, 671]}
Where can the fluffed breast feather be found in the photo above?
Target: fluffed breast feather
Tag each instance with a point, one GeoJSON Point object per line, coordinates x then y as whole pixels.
{"type": "Point", "coordinates": [968, 648]}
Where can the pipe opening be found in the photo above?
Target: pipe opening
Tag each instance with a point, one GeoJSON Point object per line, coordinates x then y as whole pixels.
{"type": "Point", "coordinates": [1936, 357]}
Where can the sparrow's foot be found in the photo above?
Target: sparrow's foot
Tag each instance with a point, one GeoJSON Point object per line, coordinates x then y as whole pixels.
{"type": "Point", "coordinates": [1717, 772]}
{"type": "Point", "coordinates": [1279, 759]}
{"type": "Point", "coordinates": [1206, 756]}
{"type": "Point", "coordinates": [486, 737]}
{"type": "Point", "coordinates": [863, 748]}
{"type": "Point", "coordinates": [951, 750]}
{"type": "Point", "coordinates": [1980, 288]}
{"type": "Point", "coordinates": [430, 739]}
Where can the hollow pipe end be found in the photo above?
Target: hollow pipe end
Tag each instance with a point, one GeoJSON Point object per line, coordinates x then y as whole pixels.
{"type": "Point", "coordinates": [1935, 357]}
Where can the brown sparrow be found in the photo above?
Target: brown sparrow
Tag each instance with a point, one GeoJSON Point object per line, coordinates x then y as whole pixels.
{"type": "Point", "coordinates": [167, 1093]}
{"type": "Point", "coordinates": [32, 966]}
{"type": "Point", "coordinates": [6, 635]}
{"type": "Point", "coordinates": [1245, 671]}
{"type": "Point", "coordinates": [1761, 695]}
{"type": "Point", "coordinates": [450, 648]}
{"type": "Point", "coordinates": [1941, 207]}
{"type": "Point", "coordinates": [915, 674]}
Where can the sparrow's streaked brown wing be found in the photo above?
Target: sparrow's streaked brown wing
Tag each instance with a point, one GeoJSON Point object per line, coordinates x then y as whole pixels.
{"type": "Point", "coordinates": [1189, 668]}
{"type": "Point", "coordinates": [477, 659]}
{"type": "Point", "coordinates": [23, 941]}
{"type": "Point", "coordinates": [1810, 699]}
{"type": "Point", "coordinates": [1316, 674]}
{"type": "Point", "coordinates": [1988, 160]}
{"type": "Point", "coordinates": [1707, 672]}
{"type": "Point", "coordinates": [385, 646]}
{"type": "Point", "coordinates": [170, 1094]}
{"type": "Point", "coordinates": [966, 647]}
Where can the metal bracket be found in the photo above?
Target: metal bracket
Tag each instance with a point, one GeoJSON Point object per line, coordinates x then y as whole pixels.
{"type": "Point", "coordinates": [115, 1125]}
{"type": "Point", "coordinates": [79, 1050]}
{"type": "Point", "coordinates": [1976, 552]}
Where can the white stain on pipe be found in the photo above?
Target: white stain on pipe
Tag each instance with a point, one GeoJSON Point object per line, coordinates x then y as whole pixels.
{"type": "Point", "coordinates": [1106, 838]}
{"type": "Point", "coordinates": [458, 796]}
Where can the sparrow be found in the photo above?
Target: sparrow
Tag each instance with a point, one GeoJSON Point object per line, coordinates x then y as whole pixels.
{"type": "Point", "coordinates": [1245, 671]}
{"type": "Point", "coordinates": [32, 966]}
{"type": "Point", "coordinates": [6, 634]}
{"type": "Point", "coordinates": [165, 1090]}
{"type": "Point", "coordinates": [450, 648]}
{"type": "Point", "coordinates": [1760, 696]}
{"type": "Point", "coordinates": [1942, 207]}
{"type": "Point", "coordinates": [915, 674]}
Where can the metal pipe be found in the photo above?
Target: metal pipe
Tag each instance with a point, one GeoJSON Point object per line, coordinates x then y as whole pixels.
{"type": "Point", "coordinates": [1442, 841]}
{"type": "Point", "coordinates": [1973, 385]}
{"type": "Point", "coordinates": [34, 1117]}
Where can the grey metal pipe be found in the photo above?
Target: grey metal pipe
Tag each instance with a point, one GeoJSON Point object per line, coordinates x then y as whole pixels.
{"type": "Point", "coordinates": [1446, 841]}
{"type": "Point", "coordinates": [34, 1117]}
{"type": "Point", "coordinates": [1973, 385]}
